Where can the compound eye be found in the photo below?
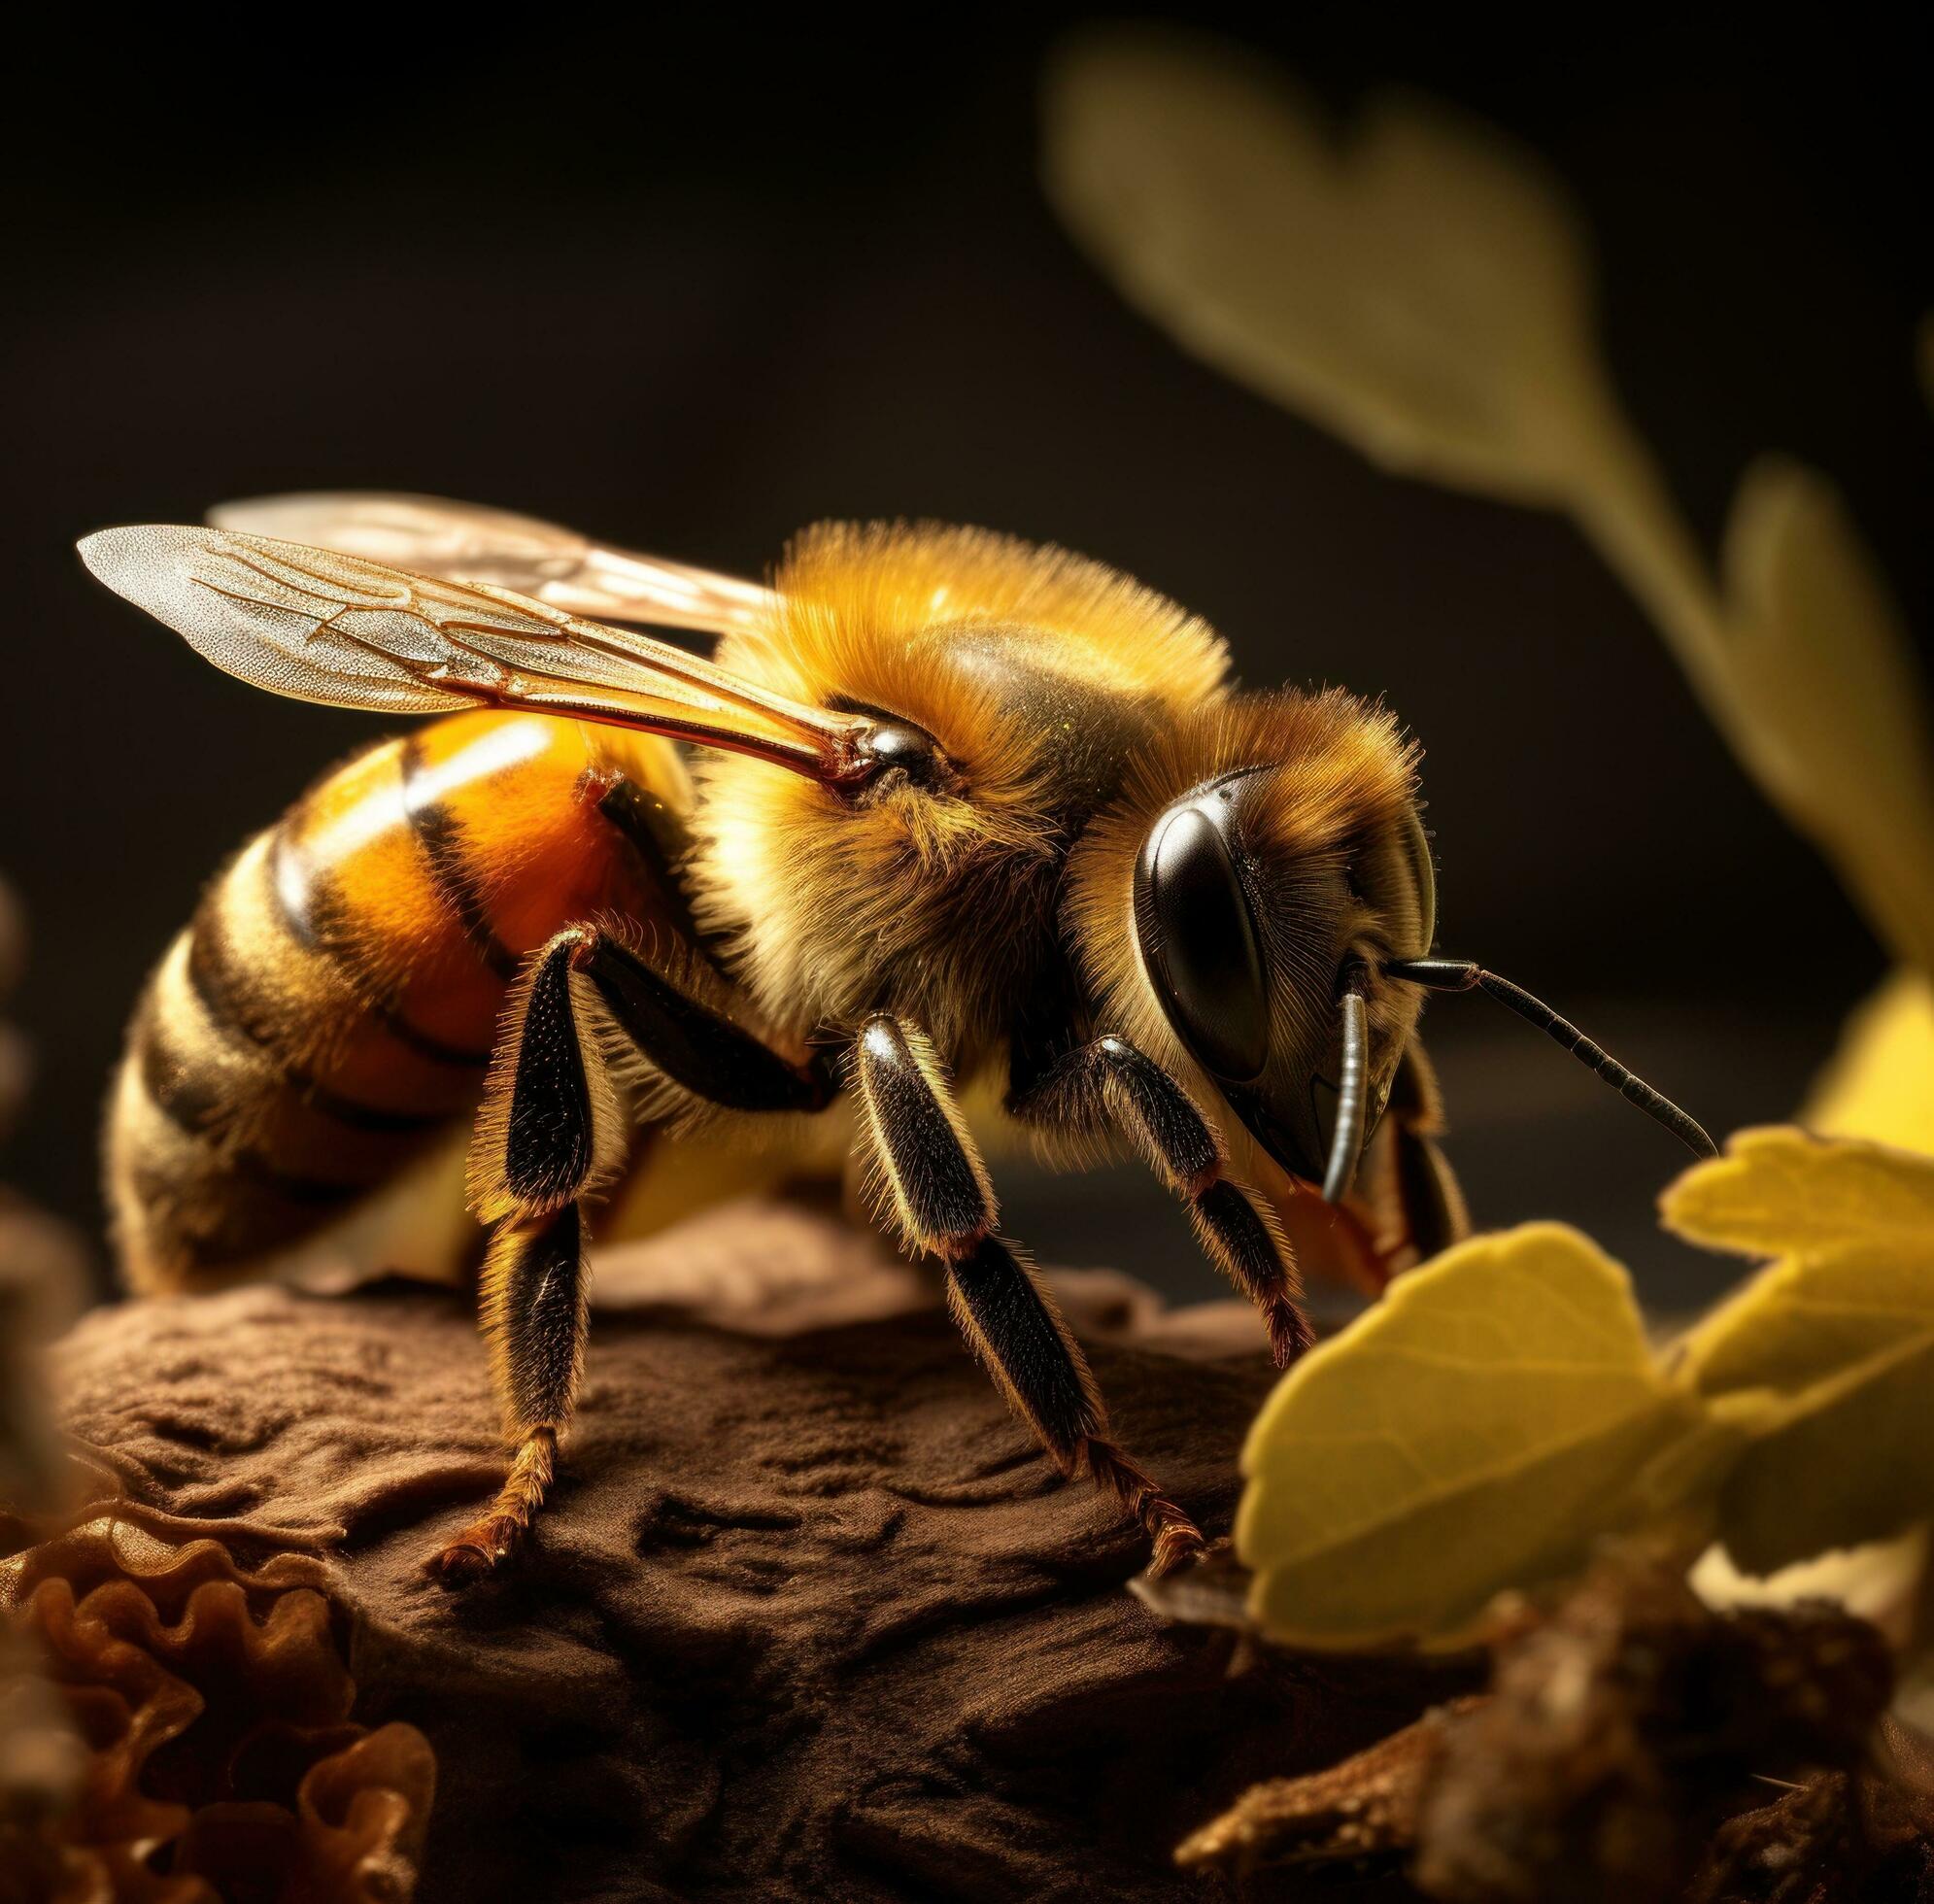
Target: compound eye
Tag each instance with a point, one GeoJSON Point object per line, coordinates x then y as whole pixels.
{"type": "Point", "coordinates": [898, 743]}
{"type": "Point", "coordinates": [1199, 939]}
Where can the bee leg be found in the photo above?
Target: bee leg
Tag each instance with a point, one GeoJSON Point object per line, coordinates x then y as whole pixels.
{"type": "Point", "coordinates": [1430, 1202]}
{"type": "Point", "coordinates": [945, 1205]}
{"type": "Point", "coordinates": [551, 1129]}
{"type": "Point", "coordinates": [1110, 1080]}
{"type": "Point", "coordinates": [535, 1291]}
{"type": "Point", "coordinates": [548, 1126]}
{"type": "Point", "coordinates": [681, 1016]}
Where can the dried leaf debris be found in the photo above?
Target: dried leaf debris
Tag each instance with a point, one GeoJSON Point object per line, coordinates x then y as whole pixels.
{"type": "Point", "coordinates": [211, 1709]}
{"type": "Point", "coordinates": [1633, 1746]}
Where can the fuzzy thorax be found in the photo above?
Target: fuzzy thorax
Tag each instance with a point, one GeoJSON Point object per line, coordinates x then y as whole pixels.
{"type": "Point", "coordinates": [1020, 661]}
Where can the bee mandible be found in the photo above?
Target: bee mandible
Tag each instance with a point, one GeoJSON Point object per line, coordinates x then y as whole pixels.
{"type": "Point", "coordinates": [962, 809]}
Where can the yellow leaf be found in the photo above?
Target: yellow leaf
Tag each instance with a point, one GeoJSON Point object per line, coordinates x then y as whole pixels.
{"type": "Point", "coordinates": [1881, 1082]}
{"type": "Point", "coordinates": [1477, 1430]}
{"type": "Point", "coordinates": [1835, 1341]}
{"type": "Point", "coordinates": [1830, 710]}
{"type": "Point", "coordinates": [1422, 290]}
{"type": "Point", "coordinates": [1854, 1462]}
{"type": "Point", "coordinates": [1780, 1192]}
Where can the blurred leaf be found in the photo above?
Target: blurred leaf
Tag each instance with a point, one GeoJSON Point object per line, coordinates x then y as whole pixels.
{"type": "Point", "coordinates": [1478, 1429]}
{"type": "Point", "coordinates": [1780, 1192]}
{"type": "Point", "coordinates": [1881, 1082]}
{"type": "Point", "coordinates": [1500, 1410]}
{"type": "Point", "coordinates": [1832, 707]}
{"type": "Point", "coordinates": [1835, 1339]}
{"type": "Point", "coordinates": [1421, 290]}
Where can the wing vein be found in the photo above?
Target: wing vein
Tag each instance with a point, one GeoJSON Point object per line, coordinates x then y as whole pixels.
{"type": "Point", "coordinates": [299, 621]}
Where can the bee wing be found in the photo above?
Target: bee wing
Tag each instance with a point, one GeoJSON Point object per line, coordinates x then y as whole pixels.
{"type": "Point", "coordinates": [318, 625]}
{"type": "Point", "coordinates": [465, 542]}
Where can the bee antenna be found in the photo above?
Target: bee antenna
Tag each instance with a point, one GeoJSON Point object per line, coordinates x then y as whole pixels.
{"type": "Point", "coordinates": [1464, 975]}
{"type": "Point", "coordinates": [1353, 1088]}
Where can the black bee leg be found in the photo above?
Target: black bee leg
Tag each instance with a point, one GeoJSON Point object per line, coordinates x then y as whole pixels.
{"type": "Point", "coordinates": [938, 1188]}
{"type": "Point", "coordinates": [553, 1130]}
{"type": "Point", "coordinates": [684, 1023]}
{"type": "Point", "coordinates": [546, 1130]}
{"type": "Point", "coordinates": [1430, 1203]}
{"type": "Point", "coordinates": [533, 1307]}
{"type": "Point", "coordinates": [1109, 1081]}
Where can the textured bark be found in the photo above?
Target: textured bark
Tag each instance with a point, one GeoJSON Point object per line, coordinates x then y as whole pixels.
{"type": "Point", "coordinates": [808, 1615]}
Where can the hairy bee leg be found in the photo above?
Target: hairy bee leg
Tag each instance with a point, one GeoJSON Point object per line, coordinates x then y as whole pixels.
{"type": "Point", "coordinates": [551, 1126]}
{"type": "Point", "coordinates": [945, 1205]}
{"type": "Point", "coordinates": [693, 1043]}
{"type": "Point", "coordinates": [1153, 1110]}
{"type": "Point", "coordinates": [1432, 1206]}
{"type": "Point", "coordinates": [534, 1312]}
{"type": "Point", "coordinates": [546, 1129]}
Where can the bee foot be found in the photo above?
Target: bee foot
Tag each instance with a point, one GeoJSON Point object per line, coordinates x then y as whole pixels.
{"type": "Point", "coordinates": [1290, 1333]}
{"type": "Point", "coordinates": [1177, 1541]}
{"type": "Point", "coordinates": [475, 1553]}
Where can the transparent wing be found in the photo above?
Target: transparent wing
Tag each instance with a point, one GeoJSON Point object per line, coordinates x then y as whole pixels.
{"type": "Point", "coordinates": [465, 542]}
{"type": "Point", "coordinates": [318, 625]}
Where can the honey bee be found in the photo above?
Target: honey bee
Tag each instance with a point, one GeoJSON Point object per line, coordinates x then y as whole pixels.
{"type": "Point", "coordinates": [962, 809]}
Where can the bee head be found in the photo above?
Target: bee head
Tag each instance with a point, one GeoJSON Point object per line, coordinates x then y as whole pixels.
{"type": "Point", "coordinates": [1274, 860]}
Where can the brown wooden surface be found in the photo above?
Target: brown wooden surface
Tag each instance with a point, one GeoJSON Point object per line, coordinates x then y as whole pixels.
{"type": "Point", "coordinates": [808, 1618]}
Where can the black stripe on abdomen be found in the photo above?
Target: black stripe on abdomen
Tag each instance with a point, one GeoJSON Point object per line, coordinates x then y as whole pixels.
{"type": "Point", "coordinates": [220, 984]}
{"type": "Point", "coordinates": [219, 979]}
{"type": "Point", "coordinates": [656, 836]}
{"type": "Point", "coordinates": [441, 836]}
{"type": "Point", "coordinates": [310, 908]}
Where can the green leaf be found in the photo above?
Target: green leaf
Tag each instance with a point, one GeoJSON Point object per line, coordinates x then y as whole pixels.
{"type": "Point", "coordinates": [1833, 1343]}
{"type": "Point", "coordinates": [1477, 1430]}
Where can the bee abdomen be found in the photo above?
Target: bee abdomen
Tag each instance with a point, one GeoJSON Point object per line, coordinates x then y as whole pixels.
{"type": "Point", "coordinates": [330, 1010]}
{"type": "Point", "coordinates": [234, 1132]}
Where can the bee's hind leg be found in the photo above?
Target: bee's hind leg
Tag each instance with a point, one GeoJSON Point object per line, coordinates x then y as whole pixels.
{"type": "Point", "coordinates": [945, 1205]}
{"type": "Point", "coordinates": [546, 1129]}
{"type": "Point", "coordinates": [534, 1308]}
{"type": "Point", "coordinates": [552, 1129]}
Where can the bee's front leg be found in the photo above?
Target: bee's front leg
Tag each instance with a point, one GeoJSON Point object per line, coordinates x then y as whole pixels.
{"type": "Point", "coordinates": [1111, 1079]}
{"type": "Point", "coordinates": [945, 1205]}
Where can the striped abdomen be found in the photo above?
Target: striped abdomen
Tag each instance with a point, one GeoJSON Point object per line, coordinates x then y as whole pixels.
{"type": "Point", "coordinates": [329, 1012]}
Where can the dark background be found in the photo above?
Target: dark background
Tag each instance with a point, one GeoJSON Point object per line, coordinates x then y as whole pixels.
{"type": "Point", "coordinates": [693, 284]}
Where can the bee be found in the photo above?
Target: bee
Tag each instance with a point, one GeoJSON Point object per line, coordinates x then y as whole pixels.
{"type": "Point", "coordinates": [961, 809]}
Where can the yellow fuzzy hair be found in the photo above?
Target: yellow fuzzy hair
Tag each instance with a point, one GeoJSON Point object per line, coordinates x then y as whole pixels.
{"type": "Point", "coordinates": [908, 897]}
{"type": "Point", "coordinates": [856, 598]}
{"type": "Point", "coordinates": [651, 1098]}
{"type": "Point", "coordinates": [1343, 790]}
